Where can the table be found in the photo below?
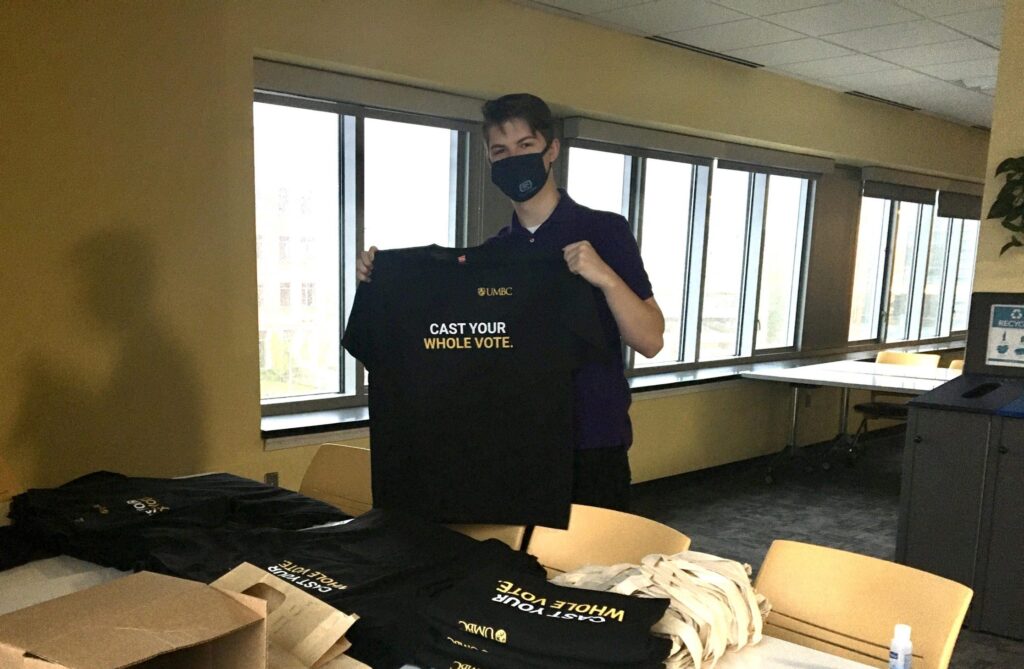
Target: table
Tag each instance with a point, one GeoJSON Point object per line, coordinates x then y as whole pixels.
{"type": "Point", "coordinates": [772, 653]}
{"type": "Point", "coordinates": [847, 374]}
{"type": "Point", "coordinates": [53, 577]}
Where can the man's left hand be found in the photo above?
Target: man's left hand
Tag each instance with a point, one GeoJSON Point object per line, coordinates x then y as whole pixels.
{"type": "Point", "coordinates": [583, 259]}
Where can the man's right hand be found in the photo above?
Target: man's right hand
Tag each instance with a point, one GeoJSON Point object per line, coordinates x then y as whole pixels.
{"type": "Point", "coordinates": [364, 264]}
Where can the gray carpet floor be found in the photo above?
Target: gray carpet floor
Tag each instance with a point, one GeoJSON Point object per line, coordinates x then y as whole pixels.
{"type": "Point", "coordinates": [730, 511]}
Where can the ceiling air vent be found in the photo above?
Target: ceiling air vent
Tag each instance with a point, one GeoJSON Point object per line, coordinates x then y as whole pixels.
{"type": "Point", "coordinates": [706, 52]}
{"type": "Point", "coordinates": [858, 94]}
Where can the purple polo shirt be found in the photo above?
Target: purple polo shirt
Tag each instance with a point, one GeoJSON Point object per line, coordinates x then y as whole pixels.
{"type": "Point", "coordinates": [601, 394]}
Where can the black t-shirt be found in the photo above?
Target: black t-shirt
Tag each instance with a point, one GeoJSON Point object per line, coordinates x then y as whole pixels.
{"type": "Point", "coordinates": [383, 566]}
{"type": "Point", "coordinates": [99, 517]}
{"type": "Point", "coordinates": [470, 354]}
{"type": "Point", "coordinates": [502, 618]}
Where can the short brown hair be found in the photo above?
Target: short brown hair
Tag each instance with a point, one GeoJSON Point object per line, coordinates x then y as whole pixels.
{"type": "Point", "coordinates": [531, 109]}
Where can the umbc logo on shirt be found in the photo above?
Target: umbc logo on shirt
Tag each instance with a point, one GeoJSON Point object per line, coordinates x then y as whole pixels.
{"type": "Point", "coordinates": [486, 631]}
{"type": "Point", "coordinates": [504, 291]}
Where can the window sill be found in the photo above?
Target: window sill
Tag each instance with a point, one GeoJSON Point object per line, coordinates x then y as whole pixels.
{"type": "Point", "coordinates": [315, 427]}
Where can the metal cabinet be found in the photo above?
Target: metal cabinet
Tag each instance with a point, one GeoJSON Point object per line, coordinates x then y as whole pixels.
{"type": "Point", "coordinates": [962, 509]}
{"type": "Point", "coordinates": [1002, 559]}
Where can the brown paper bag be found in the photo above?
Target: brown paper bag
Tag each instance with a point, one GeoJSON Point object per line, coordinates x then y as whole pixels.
{"type": "Point", "coordinates": [302, 631]}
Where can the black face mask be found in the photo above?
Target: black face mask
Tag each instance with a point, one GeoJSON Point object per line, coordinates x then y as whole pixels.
{"type": "Point", "coordinates": [520, 177]}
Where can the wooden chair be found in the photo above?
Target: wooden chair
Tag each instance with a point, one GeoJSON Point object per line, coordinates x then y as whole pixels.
{"type": "Point", "coordinates": [604, 537]}
{"type": "Point", "coordinates": [908, 359]}
{"type": "Point", "coordinates": [847, 604]}
{"type": "Point", "coordinates": [956, 364]}
{"type": "Point", "coordinates": [877, 409]}
{"type": "Point", "coordinates": [340, 475]}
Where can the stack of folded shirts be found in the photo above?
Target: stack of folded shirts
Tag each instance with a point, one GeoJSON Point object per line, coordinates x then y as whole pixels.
{"type": "Point", "coordinates": [501, 618]}
{"type": "Point", "coordinates": [101, 517]}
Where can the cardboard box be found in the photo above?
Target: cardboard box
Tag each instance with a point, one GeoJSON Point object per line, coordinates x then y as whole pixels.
{"type": "Point", "coordinates": [303, 632]}
{"type": "Point", "coordinates": [144, 620]}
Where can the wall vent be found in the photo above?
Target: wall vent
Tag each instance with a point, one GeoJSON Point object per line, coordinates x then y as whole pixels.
{"type": "Point", "coordinates": [706, 52]}
{"type": "Point", "coordinates": [866, 96]}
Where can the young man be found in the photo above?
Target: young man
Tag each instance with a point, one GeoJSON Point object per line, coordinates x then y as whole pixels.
{"type": "Point", "coordinates": [596, 245]}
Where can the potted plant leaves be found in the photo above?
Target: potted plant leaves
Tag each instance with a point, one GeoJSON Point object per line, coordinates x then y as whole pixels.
{"type": "Point", "coordinates": [1009, 204]}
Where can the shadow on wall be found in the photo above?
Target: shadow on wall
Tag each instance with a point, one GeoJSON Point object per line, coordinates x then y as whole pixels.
{"type": "Point", "coordinates": [143, 415]}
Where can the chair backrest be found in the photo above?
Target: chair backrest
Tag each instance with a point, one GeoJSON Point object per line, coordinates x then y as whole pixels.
{"type": "Point", "coordinates": [909, 359]}
{"type": "Point", "coordinates": [956, 364]}
{"type": "Point", "coordinates": [340, 475]}
{"type": "Point", "coordinates": [847, 604]}
{"type": "Point", "coordinates": [603, 537]}
{"type": "Point", "coordinates": [510, 535]}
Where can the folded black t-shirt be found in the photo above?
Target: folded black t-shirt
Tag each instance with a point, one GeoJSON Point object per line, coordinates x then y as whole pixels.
{"type": "Point", "coordinates": [383, 566]}
{"type": "Point", "coordinates": [471, 354]}
{"type": "Point", "coordinates": [502, 611]}
{"type": "Point", "coordinates": [99, 517]}
{"type": "Point", "coordinates": [457, 651]}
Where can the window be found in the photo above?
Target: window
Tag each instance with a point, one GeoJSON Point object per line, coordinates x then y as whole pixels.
{"type": "Point", "coordinates": [668, 195]}
{"type": "Point", "coordinates": [264, 359]}
{"type": "Point", "coordinates": [599, 179]}
{"type": "Point", "coordinates": [399, 167]}
{"type": "Point", "coordinates": [913, 272]}
{"type": "Point", "coordinates": [725, 269]}
{"type": "Point", "coordinates": [723, 280]}
{"type": "Point", "coordinates": [409, 185]}
{"type": "Point", "coordinates": [782, 257]}
{"type": "Point", "coordinates": [332, 178]}
{"type": "Point", "coordinates": [869, 268]}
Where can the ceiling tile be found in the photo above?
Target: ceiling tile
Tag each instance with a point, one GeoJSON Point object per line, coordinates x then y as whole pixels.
{"type": "Point", "coordinates": [766, 7]}
{"type": "Point", "coordinates": [945, 98]}
{"type": "Point", "coordinates": [837, 67]}
{"type": "Point", "coordinates": [795, 51]}
{"type": "Point", "coordinates": [980, 23]}
{"type": "Point", "coordinates": [735, 35]}
{"type": "Point", "coordinates": [879, 83]}
{"type": "Point", "coordinates": [936, 54]}
{"type": "Point", "coordinates": [587, 7]}
{"type": "Point", "coordinates": [843, 17]}
{"type": "Point", "coordinates": [963, 69]}
{"type": "Point", "coordinates": [986, 85]}
{"type": "Point", "coordinates": [666, 16]}
{"type": "Point", "coordinates": [944, 7]}
{"type": "Point", "coordinates": [895, 36]}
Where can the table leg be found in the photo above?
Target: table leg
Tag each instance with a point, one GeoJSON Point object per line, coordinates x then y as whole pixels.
{"type": "Point", "coordinates": [844, 408]}
{"type": "Point", "coordinates": [795, 413]}
{"type": "Point", "coordinates": [843, 438]}
{"type": "Point", "coordinates": [791, 451]}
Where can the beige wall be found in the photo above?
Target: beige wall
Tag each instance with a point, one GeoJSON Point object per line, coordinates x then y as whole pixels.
{"type": "Point", "coordinates": [127, 134]}
{"type": "Point", "coordinates": [997, 273]}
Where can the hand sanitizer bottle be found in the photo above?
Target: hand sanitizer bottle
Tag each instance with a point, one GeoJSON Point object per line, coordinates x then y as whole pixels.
{"type": "Point", "coordinates": [901, 648]}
